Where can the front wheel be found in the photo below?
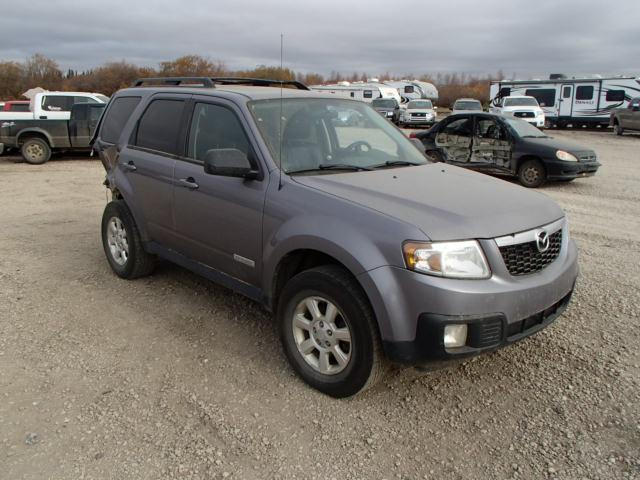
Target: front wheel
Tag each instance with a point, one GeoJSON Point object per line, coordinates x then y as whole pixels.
{"type": "Point", "coordinates": [328, 331]}
{"type": "Point", "coordinates": [532, 174]}
{"type": "Point", "coordinates": [617, 128]}
{"type": "Point", "coordinates": [35, 151]}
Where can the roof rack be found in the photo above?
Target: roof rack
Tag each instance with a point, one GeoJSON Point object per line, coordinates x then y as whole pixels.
{"type": "Point", "coordinates": [210, 82]}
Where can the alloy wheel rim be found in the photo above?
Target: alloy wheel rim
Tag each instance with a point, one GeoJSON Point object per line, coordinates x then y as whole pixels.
{"type": "Point", "coordinates": [322, 335]}
{"type": "Point", "coordinates": [117, 241]}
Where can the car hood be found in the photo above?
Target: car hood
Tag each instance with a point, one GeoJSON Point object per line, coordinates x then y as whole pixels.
{"type": "Point", "coordinates": [445, 202]}
{"type": "Point", "coordinates": [557, 144]}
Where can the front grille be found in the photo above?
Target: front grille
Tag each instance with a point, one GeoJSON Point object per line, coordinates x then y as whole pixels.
{"type": "Point", "coordinates": [524, 114]}
{"type": "Point", "coordinates": [418, 114]}
{"type": "Point", "coordinates": [524, 327]}
{"type": "Point", "coordinates": [587, 157]}
{"type": "Point", "coordinates": [525, 258]}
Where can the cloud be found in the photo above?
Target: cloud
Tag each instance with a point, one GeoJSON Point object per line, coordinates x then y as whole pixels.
{"type": "Point", "coordinates": [374, 36]}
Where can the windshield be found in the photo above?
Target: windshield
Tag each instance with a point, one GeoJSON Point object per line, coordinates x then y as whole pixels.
{"type": "Point", "coordinates": [524, 129]}
{"type": "Point", "coordinates": [415, 104]}
{"type": "Point", "coordinates": [467, 105]}
{"type": "Point", "coordinates": [319, 133]}
{"type": "Point", "coordinates": [384, 103]}
{"type": "Point", "coordinates": [520, 102]}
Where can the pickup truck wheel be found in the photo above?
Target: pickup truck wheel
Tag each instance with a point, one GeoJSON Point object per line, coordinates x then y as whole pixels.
{"type": "Point", "coordinates": [36, 151]}
{"type": "Point", "coordinates": [617, 128]}
{"type": "Point", "coordinates": [328, 331]}
{"type": "Point", "coordinates": [531, 173]}
{"type": "Point", "coordinates": [122, 243]}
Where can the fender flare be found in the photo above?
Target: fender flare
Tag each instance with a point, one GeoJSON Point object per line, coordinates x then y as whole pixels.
{"type": "Point", "coordinates": [38, 131]}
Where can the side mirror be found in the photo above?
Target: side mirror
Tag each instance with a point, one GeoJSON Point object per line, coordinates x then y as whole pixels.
{"type": "Point", "coordinates": [228, 162]}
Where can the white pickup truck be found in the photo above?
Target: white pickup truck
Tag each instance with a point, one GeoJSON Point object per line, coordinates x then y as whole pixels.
{"type": "Point", "coordinates": [53, 106]}
{"type": "Point", "coordinates": [520, 106]}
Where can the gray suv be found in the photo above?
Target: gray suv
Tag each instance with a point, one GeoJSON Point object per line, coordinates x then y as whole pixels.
{"type": "Point", "coordinates": [365, 251]}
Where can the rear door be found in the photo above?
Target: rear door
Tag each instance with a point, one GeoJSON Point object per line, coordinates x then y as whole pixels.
{"type": "Point", "coordinates": [454, 139]}
{"type": "Point", "coordinates": [219, 219]}
{"type": "Point", "coordinates": [491, 146]}
{"type": "Point", "coordinates": [83, 122]}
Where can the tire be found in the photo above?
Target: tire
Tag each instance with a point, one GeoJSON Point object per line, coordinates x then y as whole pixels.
{"type": "Point", "coordinates": [617, 128]}
{"type": "Point", "coordinates": [435, 155]}
{"type": "Point", "coordinates": [532, 174]}
{"type": "Point", "coordinates": [362, 362]}
{"type": "Point", "coordinates": [120, 234]}
{"type": "Point", "coordinates": [35, 151]}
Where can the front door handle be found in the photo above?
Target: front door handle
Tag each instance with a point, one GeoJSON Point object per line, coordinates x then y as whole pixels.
{"type": "Point", "coordinates": [188, 182]}
{"type": "Point", "coordinates": [130, 166]}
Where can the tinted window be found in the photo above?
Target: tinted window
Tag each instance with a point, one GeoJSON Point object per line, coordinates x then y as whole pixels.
{"type": "Point", "coordinates": [461, 126]}
{"type": "Point", "coordinates": [117, 116]}
{"type": "Point", "coordinates": [367, 94]}
{"type": "Point", "coordinates": [584, 93]}
{"type": "Point", "coordinates": [566, 92]}
{"type": "Point", "coordinates": [159, 126]}
{"type": "Point", "coordinates": [57, 103]}
{"type": "Point", "coordinates": [546, 96]}
{"type": "Point", "coordinates": [19, 107]}
{"type": "Point", "coordinates": [504, 92]}
{"type": "Point", "coordinates": [408, 89]}
{"type": "Point", "coordinates": [615, 96]}
{"type": "Point", "coordinates": [214, 127]}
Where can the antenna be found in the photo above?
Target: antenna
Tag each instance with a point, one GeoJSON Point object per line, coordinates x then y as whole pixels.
{"type": "Point", "coordinates": [281, 113]}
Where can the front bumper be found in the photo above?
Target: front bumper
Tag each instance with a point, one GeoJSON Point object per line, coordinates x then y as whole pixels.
{"type": "Point", "coordinates": [412, 307]}
{"type": "Point", "coordinates": [561, 170]}
{"type": "Point", "coordinates": [419, 121]}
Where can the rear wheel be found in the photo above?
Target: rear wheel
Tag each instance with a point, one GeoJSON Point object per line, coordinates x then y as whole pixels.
{"type": "Point", "coordinates": [36, 151]}
{"type": "Point", "coordinates": [617, 128]}
{"type": "Point", "coordinates": [328, 331]}
{"type": "Point", "coordinates": [532, 174]}
{"type": "Point", "coordinates": [122, 243]}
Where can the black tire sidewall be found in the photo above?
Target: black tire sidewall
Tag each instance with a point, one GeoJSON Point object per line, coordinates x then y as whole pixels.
{"type": "Point", "coordinates": [355, 376]}
{"type": "Point", "coordinates": [118, 209]}
{"type": "Point", "coordinates": [43, 144]}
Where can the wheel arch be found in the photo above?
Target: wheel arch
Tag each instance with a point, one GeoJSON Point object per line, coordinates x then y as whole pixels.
{"type": "Point", "coordinates": [27, 133]}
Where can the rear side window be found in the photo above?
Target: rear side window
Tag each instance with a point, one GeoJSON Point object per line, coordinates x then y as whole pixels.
{"type": "Point", "coordinates": [19, 107]}
{"type": "Point", "coordinates": [117, 116]}
{"type": "Point", "coordinates": [546, 96]}
{"type": "Point", "coordinates": [159, 126]}
{"type": "Point", "coordinates": [584, 93]}
{"type": "Point", "coordinates": [57, 103]}
{"type": "Point", "coordinates": [214, 127]}
{"type": "Point", "coordinates": [367, 94]}
{"type": "Point", "coordinates": [615, 96]}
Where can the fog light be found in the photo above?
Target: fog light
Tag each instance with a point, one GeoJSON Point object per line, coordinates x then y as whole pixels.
{"type": "Point", "coordinates": [455, 335]}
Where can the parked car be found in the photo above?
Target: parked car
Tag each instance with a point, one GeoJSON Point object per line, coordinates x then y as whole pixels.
{"type": "Point", "coordinates": [417, 112]}
{"type": "Point", "coordinates": [626, 118]}
{"type": "Point", "coordinates": [37, 139]}
{"type": "Point", "coordinates": [364, 250]}
{"type": "Point", "coordinates": [507, 146]}
{"type": "Point", "coordinates": [16, 106]}
{"type": "Point", "coordinates": [466, 105]}
{"type": "Point", "coordinates": [389, 108]}
{"type": "Point", "coordinates": [53, 106]}
{"type": "Point", "coordinates": [520, 106]}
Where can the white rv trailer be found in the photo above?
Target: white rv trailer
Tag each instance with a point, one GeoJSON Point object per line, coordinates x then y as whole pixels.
{"type": "Point", "coordinates": [414, 90]}
{"type": "Point", "coordinates": [575, 101]}
{"type": "Point", "coordinates": [365, 92]}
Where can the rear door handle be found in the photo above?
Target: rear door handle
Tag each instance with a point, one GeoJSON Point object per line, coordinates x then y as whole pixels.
{"type": "Point", "coordinates": [129, 166]}
{"type": "Point", "coordinates": [188, 182]}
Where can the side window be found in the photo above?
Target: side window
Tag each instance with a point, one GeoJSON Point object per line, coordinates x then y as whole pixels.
{"type": "Point", "coordinates": [546, 97]}
{"type": "Point", "coordinates": [566, 92]}
{"type": "Point", "coordinates": [367, 94]}
{"type": "Point", "coordinates": [488, 128]}
{"type": "Point", "coordinates": [57, 103]}
{"type": "Point", "coordinates": [584, 92]}
{"type": "Point", "coordinates": [214, 127]}
{"type": "Point", "coordinates": [461, 127]}
{"type": "Point", "coordinates": [615, 96]}
{"type": "Point", "coordinates": [504, 92]}
{"type": "Point", "coordinates": [119, 112]}
{"type": "Point", "coordinates": [408, 89]}
{"type": "Point", "coordinates": [95, 112]}
{"type": "Point", "coordinates": [352, 94]}
{"type": "Point", "coordinates": [159, 126]}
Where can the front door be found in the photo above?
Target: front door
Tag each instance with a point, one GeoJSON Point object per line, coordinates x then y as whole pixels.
{"type": "Point", "coordinates": [566, 101]}
{"type": "Point", "coordinates": [491, 146]}
{"type": "Point", "coordinates": [219, 219]}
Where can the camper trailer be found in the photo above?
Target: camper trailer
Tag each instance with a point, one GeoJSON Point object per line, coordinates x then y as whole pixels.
{"type": "Point", "coordinates": [414, 90]}
{"type": "Point", "coordinates": [571, 101]}
{"type": "Point", "coordinates": [365, 92]}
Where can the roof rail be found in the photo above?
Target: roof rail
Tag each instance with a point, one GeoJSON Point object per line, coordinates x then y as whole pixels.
{"type": "Point", "coordinates": [259, 82]}
{"type": "Point", "coordinates": [175, 81]}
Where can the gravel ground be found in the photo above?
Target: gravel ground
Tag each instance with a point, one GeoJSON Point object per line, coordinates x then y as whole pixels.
{"type": "Point", "coordinates": [172, 376]}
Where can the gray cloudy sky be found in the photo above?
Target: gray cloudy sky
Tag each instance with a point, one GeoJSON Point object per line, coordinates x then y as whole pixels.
{"type": "Point", "coordinates": [528, 37]}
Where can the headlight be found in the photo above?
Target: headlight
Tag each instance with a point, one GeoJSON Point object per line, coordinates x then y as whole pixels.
{"type": "Point", "coordinates": [463, 259]}
{"type": "Point", "coordinates": [389, 114]}
{"type": "Point", "coordinates": [566, 156]}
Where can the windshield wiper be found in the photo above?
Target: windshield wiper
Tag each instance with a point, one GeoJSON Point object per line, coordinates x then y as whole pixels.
{"type": "Point", "coordinates": [332, 166]}
{"type": "Point", "coordinates": [396, 163]}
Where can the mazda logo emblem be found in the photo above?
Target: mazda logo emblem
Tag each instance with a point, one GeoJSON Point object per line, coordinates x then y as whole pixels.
{"type": "Point", "coordinates": [542, 241]}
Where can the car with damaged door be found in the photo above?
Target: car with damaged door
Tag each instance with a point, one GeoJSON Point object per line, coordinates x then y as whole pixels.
{"type": "Point", "coordinates": [508, 146]}
{"type": "Point", "coordinates": [37, 140]}
{"type": "Point", "coordinates": [366, 252]}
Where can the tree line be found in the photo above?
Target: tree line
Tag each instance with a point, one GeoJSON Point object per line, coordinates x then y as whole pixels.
{"type": "Point", "coordinates": [40, 71]}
